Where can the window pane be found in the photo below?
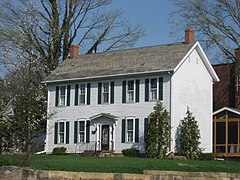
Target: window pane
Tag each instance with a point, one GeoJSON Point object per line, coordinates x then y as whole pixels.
{"type": "Point", "coordinates": [130, 91]}
{"type": "Point", "coordinates": [81, 131]}
{"type": "Point", "coordinates": [82, 94]}
{"type": "Point", "coordinates": [61, 127]}
{"type": "Point", "coordinates": [62, 96]}
{"type": "Point", "coordinates": [130, 85]}
{"type": "Point", "coordinates": [130, 130]}
{"type": "Point", "coordinates": [153, 89]}
{"type": "Point", "coordinates": [130, 136]}
{"type": "Point", "coordinates": [130, 124]}
{"type": "Point", "coordinates": [61, 132]}
{"type": "Point", "coordinates": [106, 92]}
{"type": "Point", "coordinates": [81, 125]}
{"type": "Point", "coordinates": [61, 139]}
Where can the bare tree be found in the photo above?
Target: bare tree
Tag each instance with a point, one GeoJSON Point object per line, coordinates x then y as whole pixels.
{"type": "Point", "coordinates": [217, 24]}
{"type": "Point", "coordinates": [51, 26]}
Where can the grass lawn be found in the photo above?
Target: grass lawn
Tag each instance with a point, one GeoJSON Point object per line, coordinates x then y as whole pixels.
{"type": "Point", "coordinates": [122, 164]}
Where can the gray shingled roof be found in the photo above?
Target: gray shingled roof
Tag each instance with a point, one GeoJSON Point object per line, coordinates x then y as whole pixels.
{"type": "Point", "coordinates": [136, 60]}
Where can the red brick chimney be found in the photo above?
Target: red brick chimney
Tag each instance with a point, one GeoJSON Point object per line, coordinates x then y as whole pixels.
{"type": "Point", "coordinates": [189, 36]}
{"type": "Point", "coordinates": [74, 51]}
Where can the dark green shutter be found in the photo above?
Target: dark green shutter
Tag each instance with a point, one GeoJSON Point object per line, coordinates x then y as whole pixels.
{"type": "Point", "coordinates": [99, 93]}
{"type": "Point", "coordinates": [146, 90]}
{"type": "Point", "coordinates": [137, 90]}
{"type": "Point", "coordinates": [123, 130]}
{"type": "Point", "coordinates": [88, 93]}
{"type": "Point", "coordinates": [56, 133]}
{"type": "Point", "coordinates": [67, 132]}
{"type": "Point", "coordinates": [76, 94]}
{"type": "Point", "coordinates": [160, 88]}
{"type": "Point", "coordinates": [136, 130]}
{"type": "Point", "coordinates": [88, 132]}
{"type": "Point", "coordinates": [145, 126]}
{"type": "Point", "coordinates": [75, 131]}
{"type": "Point", "coordinates": [112, 93]}
{"type": "Point", "coordinates": [68, 94]}
{"type": "Point", "coordinates": [124, 92]}
{"type": "Point", "coordinates": [57, 96]}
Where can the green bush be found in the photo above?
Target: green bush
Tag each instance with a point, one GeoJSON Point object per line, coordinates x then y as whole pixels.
{"type": "Point", "coordinates": [59, 151]}
{"type": "Point", "coordinates": [206, 156]}
{"type": "Point", "coordinates": [131, 152]}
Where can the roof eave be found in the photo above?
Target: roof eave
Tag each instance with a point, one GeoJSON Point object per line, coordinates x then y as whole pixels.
{"type": "Point", "coordinates": [106, 76]}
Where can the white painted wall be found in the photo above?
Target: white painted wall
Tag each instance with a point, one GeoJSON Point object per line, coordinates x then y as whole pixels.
{"type": "Point", "coordinates": [139, 110]}
{"type": "Point", "coordinates": [192, 87]}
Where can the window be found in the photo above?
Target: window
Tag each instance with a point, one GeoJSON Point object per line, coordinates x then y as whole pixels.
{"type": "Point", "coordinates": [81, 131]}
{"type": "Point", "coordinates": [105, 93]}
{"type": "Point", "coordinates": [61, 132]}
{"type": "Point", "coordinates": [82, 94]}
{"type": "Point", "coordinates": [129, 130]}
{"type": "Point", "coordinates": [130, 91]}
{"type": "Point", "coordinates": [153, 89]}
{"type": "Point", "coordinates": [62, 96]}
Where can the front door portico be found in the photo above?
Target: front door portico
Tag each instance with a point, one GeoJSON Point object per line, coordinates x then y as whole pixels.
{"type": "Point", "coordinates": [105, 134]}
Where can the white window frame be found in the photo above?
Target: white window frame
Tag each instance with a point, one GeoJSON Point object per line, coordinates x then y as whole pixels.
{"type": "Point", "coordinates": [84, 131]}
{"type": "Point", "coordinates": [106, 82]}
{"type": "Point", "coordinates": [133, 130]}
{"type": "Point", "coordinates": [127, 91]}
{"type": "Point", "coordinates": [85, 94]}
{"type": "Point", "coordinates": [150, 89]}
{"type": "Point", "coordinates": [64, 132]}
{"type": "Point", "coordinates": [60, 96]}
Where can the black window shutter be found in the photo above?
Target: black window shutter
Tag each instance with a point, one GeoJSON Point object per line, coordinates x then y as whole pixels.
{"type": "Point", "coordinates": [123, 130]}
{"type": "Point", "coordinates": [57, 96]}
{"type": "Point", "coordinates": [136, 130]}
{"type": "Point", "coordinates": [112, 92]}
{"type": "Point", "coordinates": [88, 132]}
{"type": "Point", "coordinates": [68, 94]}
{"type": "Point", "coordinates": [67, 132]}
{"type": "Point", "coordinates": [146, 90]}
{"type": "Point", "coordinates": [99, 93]}
{"type": "Point", "coordinates": [145, 126]}
{"type": "Point", "coordinates": [56, 133]}
{"type": "Point", "coordinates": [88, 93]}
{"type": "Point", "coordinates": [75, 131]}
{"type": "Point", "coordinates": [124, 92]}
{"type": "Point", "coordinates": [137, 90]}
{"type": "Point", "coordinates": [76, 94]}
{"type": "Point", "coordinates": [160, 88]}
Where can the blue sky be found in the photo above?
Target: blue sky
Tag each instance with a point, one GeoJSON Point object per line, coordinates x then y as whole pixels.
{"type": "Point", "coordinates": [154, 15]}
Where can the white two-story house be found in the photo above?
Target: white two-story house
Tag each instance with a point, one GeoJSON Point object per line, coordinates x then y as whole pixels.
{"type": "Point", "coordinates": [102, 101]}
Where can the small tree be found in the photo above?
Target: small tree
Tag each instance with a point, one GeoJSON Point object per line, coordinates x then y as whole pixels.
{"type": "Point", "coordinates": [158, 136]}
{"type": "Point", "coordinates": [189, 136]}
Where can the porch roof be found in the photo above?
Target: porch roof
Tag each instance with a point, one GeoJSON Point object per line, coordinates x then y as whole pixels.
{"type": "Point", "coordinates": [233, 110]}
{"type": "Point", "coordinates": [107, 115]}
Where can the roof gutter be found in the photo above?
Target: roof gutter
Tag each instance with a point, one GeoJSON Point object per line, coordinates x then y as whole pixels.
{"type": "Point", "coordinates": [105, 76]}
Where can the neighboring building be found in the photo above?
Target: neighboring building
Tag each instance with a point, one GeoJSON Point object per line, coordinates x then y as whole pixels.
{"type": "Point", "coordinates": [227, 90]}
{"type": "Point", "coordinates": [102, 101]}
{"type": "Point", "coordinates": [226, 116]}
